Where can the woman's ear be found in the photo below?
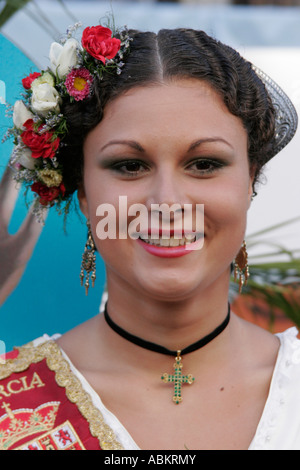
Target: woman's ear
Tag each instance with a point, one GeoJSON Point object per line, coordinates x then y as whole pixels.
{"type": "Point", "coordinates": [82, 200]}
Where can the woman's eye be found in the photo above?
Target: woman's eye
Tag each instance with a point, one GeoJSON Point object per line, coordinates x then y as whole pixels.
{"type": "Point", "coordinates": [129, 167]}
{"type": "Point", "coordinates": [205, 166]}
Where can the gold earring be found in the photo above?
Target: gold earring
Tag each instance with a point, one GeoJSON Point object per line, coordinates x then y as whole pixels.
{"type": "Point", "coordinates": [241, 268]}
{"type": "Point", "coordinates": [88, 263]}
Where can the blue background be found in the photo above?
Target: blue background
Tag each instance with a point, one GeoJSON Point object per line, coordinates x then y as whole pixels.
{"type": "Point", "coordinates": [49, 298]}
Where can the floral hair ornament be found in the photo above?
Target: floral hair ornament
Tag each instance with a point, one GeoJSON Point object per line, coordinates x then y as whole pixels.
{"type": "Point", "coordinates": [39, 125]}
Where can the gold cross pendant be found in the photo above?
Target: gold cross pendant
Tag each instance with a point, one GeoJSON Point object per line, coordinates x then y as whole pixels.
{"type": "Point", "coordinates": [178, 378]}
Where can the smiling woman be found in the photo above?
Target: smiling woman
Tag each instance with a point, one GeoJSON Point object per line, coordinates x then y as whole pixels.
{"type": "Point", "coordinates": [170, 123]}
{"type": "Point", "coordinates": [175, 160]}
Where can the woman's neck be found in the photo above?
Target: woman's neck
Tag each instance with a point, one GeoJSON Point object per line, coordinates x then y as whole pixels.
{"type": "Point", "coordinates": [172, 324]}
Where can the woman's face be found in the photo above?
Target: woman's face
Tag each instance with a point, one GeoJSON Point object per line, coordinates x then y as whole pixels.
{"type": "Point", "coordinates": [174, 143]}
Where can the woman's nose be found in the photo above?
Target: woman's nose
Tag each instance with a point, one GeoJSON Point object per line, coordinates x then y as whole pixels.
{"type": "Point", "coordinates": [166, 197]}
{"type": "Point", "coordinates": [171, 204]}
{"type": "Point", "coordinates": [166, 188]}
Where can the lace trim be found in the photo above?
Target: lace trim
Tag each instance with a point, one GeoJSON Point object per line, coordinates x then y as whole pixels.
{"type": "Point", "coordinates": [64, 377]}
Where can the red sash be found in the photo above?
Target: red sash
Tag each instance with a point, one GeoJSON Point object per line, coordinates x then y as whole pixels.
{"type": "Point", "coordinates": [43, 405]}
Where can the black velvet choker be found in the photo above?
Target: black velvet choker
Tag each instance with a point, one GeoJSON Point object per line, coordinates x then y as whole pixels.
{"type": "Point", "coordinates": [177, 379]}
{"type": "Point", "coordinates": [161, 349]}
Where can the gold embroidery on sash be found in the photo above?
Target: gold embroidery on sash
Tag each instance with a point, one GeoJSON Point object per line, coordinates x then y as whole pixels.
{"type": "Point", "coordinates": [63, 437]}
{"type": "Point", "coordinates": [64, 377]}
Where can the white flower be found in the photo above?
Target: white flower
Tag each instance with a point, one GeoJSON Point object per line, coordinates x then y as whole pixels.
{"type": "Point", "coordinates": [21, 114]}
{"type": "Point", "coordinates": [26, 160]}
{"type": "Point", "coordinates": [63, 58]}
{"type": "Point", "coordinates": [46, 77]}
{"type": "Point", "coordinates": [44, 97]}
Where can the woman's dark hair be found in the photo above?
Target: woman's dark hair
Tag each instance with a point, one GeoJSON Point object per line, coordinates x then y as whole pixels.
{"type": "Point", "coordinates": [179, 53]}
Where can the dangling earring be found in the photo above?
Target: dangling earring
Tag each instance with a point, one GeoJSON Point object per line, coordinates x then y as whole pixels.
{"type": "Point", "coordinates": [241, 268]}
{"type": "Point", "coordinates": [88, 263]}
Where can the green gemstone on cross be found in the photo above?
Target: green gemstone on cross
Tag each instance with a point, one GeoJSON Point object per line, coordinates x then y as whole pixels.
{"type": "Point", "coordinates": [178, 379]}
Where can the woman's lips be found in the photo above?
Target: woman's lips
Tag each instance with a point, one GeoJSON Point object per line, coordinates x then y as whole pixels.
{"type": "Point", "coordinates": [164, 247]}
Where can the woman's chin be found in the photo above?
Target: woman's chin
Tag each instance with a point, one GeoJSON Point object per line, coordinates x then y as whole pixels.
{"type": "Point", "coordinates": [172, 290]}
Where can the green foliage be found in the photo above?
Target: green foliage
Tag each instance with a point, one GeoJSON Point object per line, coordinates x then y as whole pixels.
{"type": "Point", "coordinates": [276, 282]}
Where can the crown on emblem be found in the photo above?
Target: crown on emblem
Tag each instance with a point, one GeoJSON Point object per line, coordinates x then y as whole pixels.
{"type": "Point", "coordinates": [19, 424]}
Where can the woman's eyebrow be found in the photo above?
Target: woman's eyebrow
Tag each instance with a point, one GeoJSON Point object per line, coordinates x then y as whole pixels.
{"type": "Point", "coordinates": [131, 143]}
{"type": "Point", "coordinates": [136, 146]}
{"type": "Point", "coordinates": [199, 142]}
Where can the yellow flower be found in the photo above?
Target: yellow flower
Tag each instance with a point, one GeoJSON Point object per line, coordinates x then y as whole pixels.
{"type": "Point", "coordinates": [50, 177]}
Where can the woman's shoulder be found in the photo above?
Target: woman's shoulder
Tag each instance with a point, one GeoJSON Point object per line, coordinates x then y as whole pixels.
{"type": "Point", "coordinates": [282, 350]}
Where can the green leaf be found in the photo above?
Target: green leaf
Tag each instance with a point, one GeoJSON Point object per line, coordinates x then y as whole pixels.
{"type": "Point", "coordinates": [273, 227]}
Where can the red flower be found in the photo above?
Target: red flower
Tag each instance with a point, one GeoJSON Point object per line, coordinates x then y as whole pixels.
{"type": "Point", "coordinates": [97, 41]}
{"type": "Point", "coordinates": [48, 194]}
{"type": "Point", "coordinates": [27, 81]}
{"type": "Point", "coordinates": [41, 145]}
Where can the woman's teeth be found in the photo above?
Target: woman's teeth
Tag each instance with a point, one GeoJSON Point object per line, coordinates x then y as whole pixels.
{"type": "Point", "coordinates": [169, 242]}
